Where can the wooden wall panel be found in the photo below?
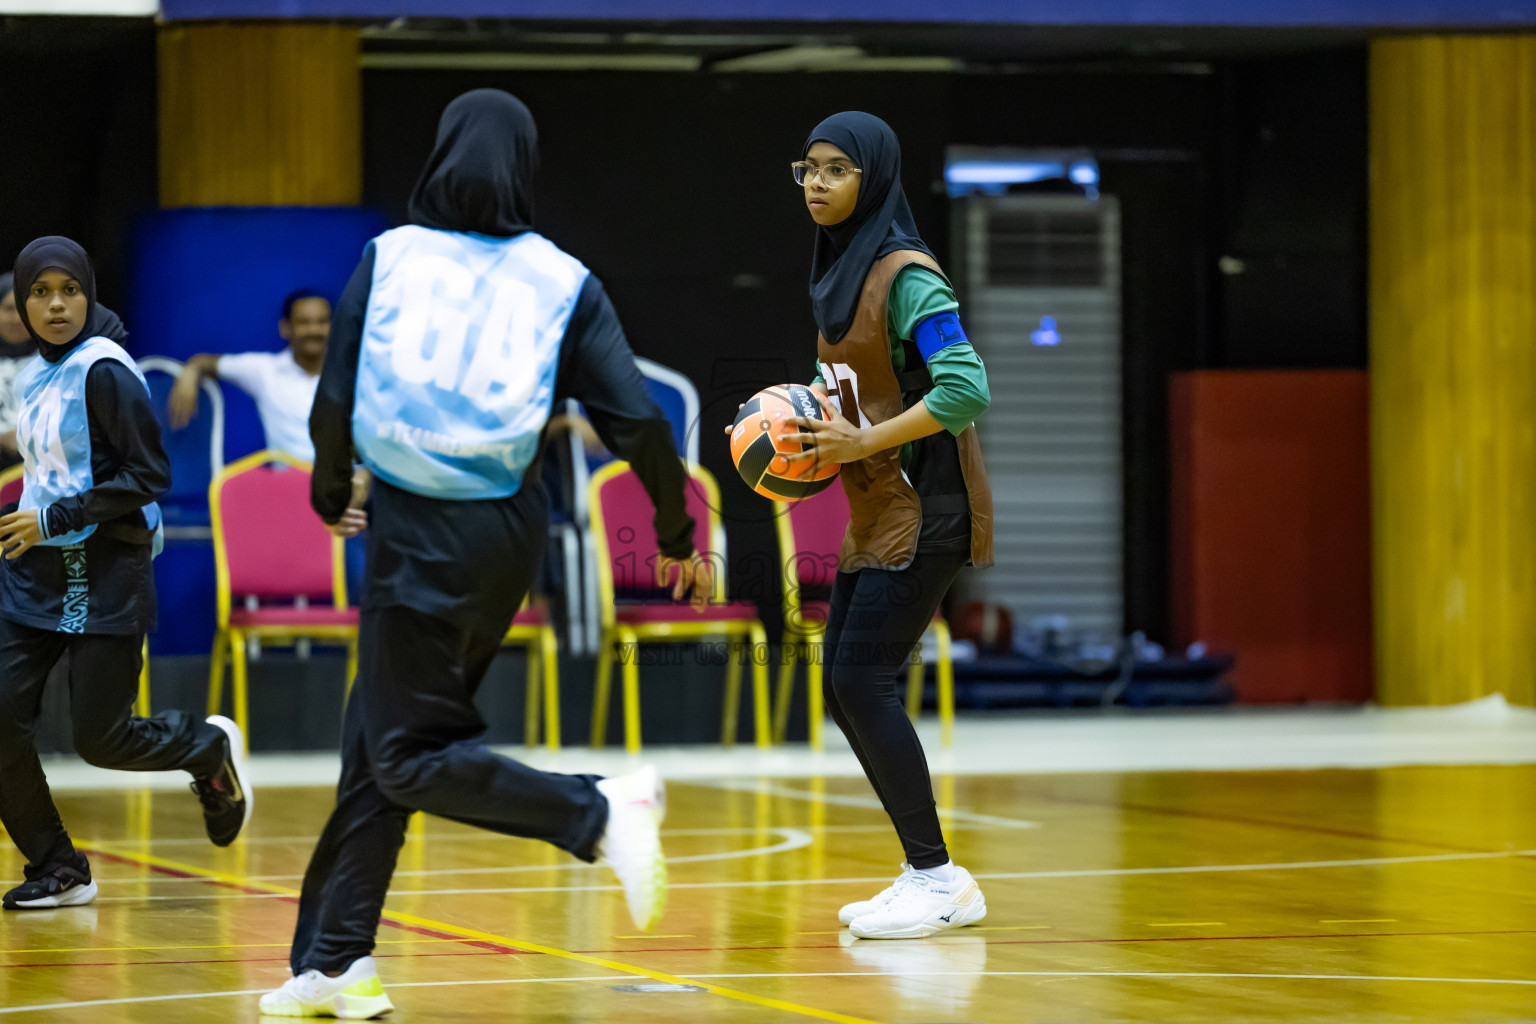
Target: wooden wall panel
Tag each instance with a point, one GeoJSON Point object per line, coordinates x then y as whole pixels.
{"type": "Point", "coordinates": [260, 115]}
{"type": "Point", "coordinates": [1453, 367]}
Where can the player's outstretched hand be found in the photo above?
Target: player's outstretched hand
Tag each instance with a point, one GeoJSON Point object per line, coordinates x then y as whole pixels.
{"type": "Point", "coordinates": [19, 531]}
{"type": "Point", "coordinates": [694, 572]}
{"type": "Point", "coordinates": [352, 522]}
{"type": "Point", "coordinates": [731, 426]}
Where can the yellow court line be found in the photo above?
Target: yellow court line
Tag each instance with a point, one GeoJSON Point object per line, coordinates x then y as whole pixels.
{"type": "Point", "coordinates": [211, 945]}
{"type": "Point", "coordinates": [1361, 920]}
{"type": "Point", "coordinates": [655, 936]}
{"type": "Point", "coordinates": [501, 940]}
{"type": "Point", "coordinates": [1186, 924]}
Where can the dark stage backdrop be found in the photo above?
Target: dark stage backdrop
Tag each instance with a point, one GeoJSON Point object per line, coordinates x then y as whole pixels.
{"type": "Point", "coordinates": [77, 139]}
{"type": "Point", "coordinates": [675, 190]}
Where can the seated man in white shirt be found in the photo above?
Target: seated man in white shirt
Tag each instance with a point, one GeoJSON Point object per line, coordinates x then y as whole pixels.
{"type": "Point", "coordinates": [282, 383]}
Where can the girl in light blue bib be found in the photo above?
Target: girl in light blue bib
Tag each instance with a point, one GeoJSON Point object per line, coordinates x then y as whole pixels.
{"type": "Point", "coordinates": [76, 578]}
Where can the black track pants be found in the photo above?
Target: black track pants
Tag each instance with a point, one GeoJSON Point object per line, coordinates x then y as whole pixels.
{"type": "Point", "coordinates": [875, 619]}
{"type": "Point", "coordinates": [412, 740]}
{"type": "Point", "coordinates": [103, 684]}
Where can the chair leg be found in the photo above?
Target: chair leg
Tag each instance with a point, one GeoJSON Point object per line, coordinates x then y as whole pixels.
{"type": "Point", "coordinates": [351, 667]}
{"type": "Point", "coordinates": [550, 651]}
{"type": "Point", "coordinates": [237, 662]}
{"type": "Point", "coordinates": [789, 657]}
{"type": "Point", "coordinates": [216, 672]}
{"type": "Point", "coordinates": [605, 653]}
{"type": "Point", "coordinates": [946, 682]}
{"type": "Point", "coordinates": [141, 706]}
{"type": "Point", "coordinates": [531, 697]}
{"type": "Point", "coordinates": [730, 716]}
{"type": "Point", "coordinates": [757, 651]}
{"type": "Point", "coordinates": [629, 646]}
{"type": "Point", "coordinates": [915, 684]}
{"type": "Point", "coordinates": [815, 705]}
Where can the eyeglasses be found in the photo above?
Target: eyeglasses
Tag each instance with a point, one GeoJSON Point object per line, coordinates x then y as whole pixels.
{"type": "Point", "coordinates": [832, 175]}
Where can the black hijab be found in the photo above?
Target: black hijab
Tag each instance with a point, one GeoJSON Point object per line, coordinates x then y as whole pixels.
{"type": "Point", "coordinates": [480, 174]}
{"type": "Point", "coordinates": [59, 253]}
{"type": "Point", "coordinates": [881, 222]}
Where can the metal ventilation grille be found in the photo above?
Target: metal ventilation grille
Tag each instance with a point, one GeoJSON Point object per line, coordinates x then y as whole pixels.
{"type": "Point", "coordinates": [1045, 249]}
{"type": "Point", "coordinates": [1052, 435]}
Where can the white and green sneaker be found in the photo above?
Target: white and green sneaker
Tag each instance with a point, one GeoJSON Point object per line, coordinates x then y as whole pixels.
{"type": "Point", "coordinates": [357, 994]}
{"type": "Point", "coordinates": [631, 842]}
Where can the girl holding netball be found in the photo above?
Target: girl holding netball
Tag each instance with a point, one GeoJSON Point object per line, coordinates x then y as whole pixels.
{"type": "Point", "coordinates": [905, 385]}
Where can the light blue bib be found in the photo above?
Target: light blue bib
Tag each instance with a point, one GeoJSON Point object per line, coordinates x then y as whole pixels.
{"type": "Point", "coordinates": [459, 353]}
{"type": "Point", "coordinates": [53, 433]}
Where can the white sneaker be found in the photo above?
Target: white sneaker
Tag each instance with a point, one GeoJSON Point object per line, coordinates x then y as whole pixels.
{"type": "Point", "coordinates": [357, 995]}
{"type": "Point", "coordinates": [851, 912]}
{"type": "Point", "coordinates": [924, 906]}
{"type": "Point", "coordinates": [631, 842]}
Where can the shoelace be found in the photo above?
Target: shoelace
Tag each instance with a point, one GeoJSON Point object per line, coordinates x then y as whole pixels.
{"type": "Point", "coordinates": [208, 793]}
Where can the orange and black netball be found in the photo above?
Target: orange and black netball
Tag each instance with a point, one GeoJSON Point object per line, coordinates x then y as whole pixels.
{"type": "Point", "coordinates": [758, 446]}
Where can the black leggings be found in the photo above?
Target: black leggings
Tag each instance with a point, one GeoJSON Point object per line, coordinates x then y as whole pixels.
{"type": "Point", "coordinates": [876, 617]}
{"type": "Point", "coordinates": [103, 684]}
{"type": "Point", "coordinates": [412, 739]}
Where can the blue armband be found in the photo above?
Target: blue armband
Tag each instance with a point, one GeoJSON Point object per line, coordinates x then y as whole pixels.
{"type": "Point", "coordinates": [938, 332]}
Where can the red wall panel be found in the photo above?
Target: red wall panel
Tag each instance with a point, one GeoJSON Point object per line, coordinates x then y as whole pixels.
{"type": "Point", "coordinates": [1271, 529]}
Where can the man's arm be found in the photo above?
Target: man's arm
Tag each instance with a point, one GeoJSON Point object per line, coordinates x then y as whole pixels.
{"type": "Point", "coordinates": [330, 419]}
{"type": "Point", "coordinates": [183, 400]}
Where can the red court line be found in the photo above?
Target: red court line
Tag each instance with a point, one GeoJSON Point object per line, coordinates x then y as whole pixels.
{"type": "Point", "coordinates": [1238, 819]}
{"type": "Point", "coordinates": [234, 960]}
{"type": "Point", "coordinates": [1051, 942]}
{"type": "Point", "coordinates": [248, 890]}
{"type": "Point", "coordinates": [494, 950]}
{"type": "Point", "coordinates": [1257, 938]}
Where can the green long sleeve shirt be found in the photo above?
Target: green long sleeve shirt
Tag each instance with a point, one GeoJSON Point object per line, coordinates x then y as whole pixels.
{"type": "Point", "coordinates": [959, 392]}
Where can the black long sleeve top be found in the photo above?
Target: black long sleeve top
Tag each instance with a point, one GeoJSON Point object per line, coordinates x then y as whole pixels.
{"type": "Point", "coordinates": [596, 367]}
{"type": "Point", "coordinates": [129, 469]}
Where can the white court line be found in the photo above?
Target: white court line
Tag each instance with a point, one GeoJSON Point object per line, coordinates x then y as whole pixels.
{"type": "Point", "coordinates": [481, 836]}
{"type": "Point", "coordinates": [1122, 974]}
{"type": "Point", "coordinates": [998, 876]}
{"type": "Point", "coordinates": [794, 839]}
{"type": "Point", "coordinates": [821, 974]}
{"type": "Point", "coordinates": [263, 991]}
{"type": "Point", "coordinates": [845, 800]}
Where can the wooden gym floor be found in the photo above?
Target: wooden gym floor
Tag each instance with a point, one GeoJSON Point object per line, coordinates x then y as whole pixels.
{"type": "Point", "coordinates": [1387, 895]}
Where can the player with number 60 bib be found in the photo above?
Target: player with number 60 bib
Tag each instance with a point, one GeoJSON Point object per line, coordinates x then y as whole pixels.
{"type": "Point", "coordinates": [907, 385]}
{"type": "Point", "coordinates": [455, 338]}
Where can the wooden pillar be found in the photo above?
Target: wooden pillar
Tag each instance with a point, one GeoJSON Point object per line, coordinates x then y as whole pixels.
{"type": "Point", "coordinates": [1453, 367]}
{"type": "Point", "coordinates": [260, 114]}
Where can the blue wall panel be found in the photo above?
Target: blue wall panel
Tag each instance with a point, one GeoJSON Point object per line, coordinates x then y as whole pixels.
{"type": "Point", "coordinates": [1394, 13]}
{"type": "Point", "coordinates": [213, 280]}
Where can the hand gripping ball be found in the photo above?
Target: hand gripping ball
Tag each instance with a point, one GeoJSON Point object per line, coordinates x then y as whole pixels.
{"type": "Point", "coordinates": [758, 448]}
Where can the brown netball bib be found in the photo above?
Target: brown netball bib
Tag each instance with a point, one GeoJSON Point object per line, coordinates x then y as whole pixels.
{"type": "Point", "coordinates": [885, 512]}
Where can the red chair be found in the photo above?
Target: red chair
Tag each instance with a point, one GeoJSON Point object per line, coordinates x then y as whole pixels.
{"type": "Point", "coordinates": [625, 545]}
{"type": "Point", "coordinates": [10, 484]}
{"type": "Point", "coordinates": [810, 536]}
{"type": "Point", "coordinates": [10, 490]}
{"type": "Point", "coordinates": [273, 552]}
